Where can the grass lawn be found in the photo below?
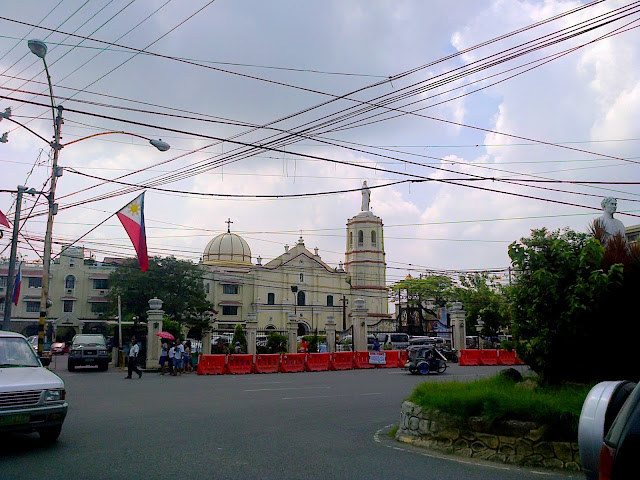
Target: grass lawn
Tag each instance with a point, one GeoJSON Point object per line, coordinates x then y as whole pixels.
{"type": "Point", "coordinates": [498, 398]}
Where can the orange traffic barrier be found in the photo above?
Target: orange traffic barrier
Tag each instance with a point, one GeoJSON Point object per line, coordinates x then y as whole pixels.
{"type": "Point", "coordinates": [361, 360]}
{"type": "Point", "coordinates": [403, 358]}
{"type": "Point", "coordinates": [239, 363]}
{"type": "Point", "coordinates": [292, 362]}
{"type": "Point", "coordinates": [391, 358]}
{"type": "Point", "coordinates": [211, 364]}
{"type": "Point", "coordinates": [267, 363]}
{"type": "Point", "coordinates": [341, 361]}
{"type": "Point", "coordinates": [469, 357]}
{"type": "Point", "coordinates": [316, 362]}
{"type": "Point", "coordinates": [489, 357]}
{"type": "Point", "coordinates": [505, 357]}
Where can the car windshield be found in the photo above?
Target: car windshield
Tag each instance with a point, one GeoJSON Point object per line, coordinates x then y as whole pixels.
{"type": "Point", "coordinates": [16, 352]}
{"type": "Point", "coordinates": [90, 341]}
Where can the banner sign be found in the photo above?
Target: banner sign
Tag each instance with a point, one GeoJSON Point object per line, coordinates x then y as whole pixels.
{"type": "Point", "coordinates": [377, 358]}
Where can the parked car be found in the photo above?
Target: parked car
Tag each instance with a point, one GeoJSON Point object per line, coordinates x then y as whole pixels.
{"type": "Point", "coordinates": [58, 348]}
{"type": "Point", "coordinates": [395, 341]}
{"type": "Point", "coordinates": [46, 346]}
{"type": "Point", "coordinates": [609, 431]}
{"type": "Point", "coordinates": [32, 399]}
{"type": "Point", "coordinates": [88, 349]}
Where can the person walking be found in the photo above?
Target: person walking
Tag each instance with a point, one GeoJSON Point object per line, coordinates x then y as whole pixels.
{"type": "Point", "coordinates": [134, 350]}
{"type": "Point", "coordinates": [186, 358]}
{"type": "Point", "coordinates": [304, 348]}
{"type": "Point", "coordinates": [237, 348]}
{"type": "Point", "coordinates": [164, 356]}
{"type": "Point", "coordinates": [171, 356]}
{"type": "Point", "coordinates": [177, 359]}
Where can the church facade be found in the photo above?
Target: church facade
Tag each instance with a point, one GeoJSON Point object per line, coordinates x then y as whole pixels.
{"type": "Point", "coordinates": [298, 283]}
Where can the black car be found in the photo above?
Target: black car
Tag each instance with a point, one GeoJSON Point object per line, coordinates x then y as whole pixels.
{"type": "Point", "coordinates": [88, 349]}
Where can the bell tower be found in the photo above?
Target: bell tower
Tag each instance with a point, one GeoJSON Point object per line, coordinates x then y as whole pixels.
{"type": "Point", "coordinates": [364, 257]}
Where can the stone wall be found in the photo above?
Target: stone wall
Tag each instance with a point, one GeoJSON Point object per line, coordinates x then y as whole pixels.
{"type": "Point", "coordinates": [506, 442]}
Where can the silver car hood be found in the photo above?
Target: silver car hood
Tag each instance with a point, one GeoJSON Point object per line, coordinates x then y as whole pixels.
{"type": "Point", "coordinates": [28, 378]}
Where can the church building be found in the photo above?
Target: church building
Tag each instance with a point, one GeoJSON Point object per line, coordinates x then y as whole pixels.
{"type": "Point", "coordinates": [299, 282]}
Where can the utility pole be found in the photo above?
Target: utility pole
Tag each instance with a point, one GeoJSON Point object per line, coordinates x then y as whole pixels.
{"type": "Point", "coordinates": [12, 260]}
{"type": "Point", "coordinates": [53, 209]}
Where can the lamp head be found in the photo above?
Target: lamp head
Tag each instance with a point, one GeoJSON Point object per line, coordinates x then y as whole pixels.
{"type": "Point", "coordinates": [37, 47]}
{"type": "Point", "coordinates": [160, 145]}
{"type": "Point", "coordinates": [4, 138]}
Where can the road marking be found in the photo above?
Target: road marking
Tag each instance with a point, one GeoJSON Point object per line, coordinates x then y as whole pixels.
{"type": "Point", "coordinates": [330, 396]}
{"type": "Point", "coordinates": [287, 388]}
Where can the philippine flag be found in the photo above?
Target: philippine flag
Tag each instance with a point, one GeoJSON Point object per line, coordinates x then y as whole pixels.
{"type": "Point", "coordinates": [3, 220]}
{"type": "Point", "coordinates": [17, 285]}
{"type": "Point", "coordinates": [132, 218]}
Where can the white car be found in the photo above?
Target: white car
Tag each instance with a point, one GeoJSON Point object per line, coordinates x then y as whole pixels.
{"type": "Point", "coordinates": [32, 399]}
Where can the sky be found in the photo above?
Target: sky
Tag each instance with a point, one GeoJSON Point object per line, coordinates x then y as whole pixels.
{"type": "Point", "coordinates": [412, 96]}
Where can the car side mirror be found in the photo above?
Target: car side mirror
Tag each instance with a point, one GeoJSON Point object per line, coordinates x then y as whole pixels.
{"type": "Point", "coordinates": [45, 361]}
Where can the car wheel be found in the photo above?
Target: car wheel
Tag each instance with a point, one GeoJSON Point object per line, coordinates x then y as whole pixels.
{"type": "Point", "coordinates": [71, 365]}
{"type": "Point", "coordinates": [50, 434]}
{"type": "Point", "coordinates": [423, 368]}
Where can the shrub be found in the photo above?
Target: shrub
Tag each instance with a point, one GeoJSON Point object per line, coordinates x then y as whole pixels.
{"type": "Point", "coordinates": [276, 343]}
{"type": "Point", "coordinates": [499, 398]}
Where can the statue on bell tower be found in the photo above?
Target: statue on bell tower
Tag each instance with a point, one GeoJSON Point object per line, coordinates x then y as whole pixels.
{"type": "Point", "coordinates": [366, 196]}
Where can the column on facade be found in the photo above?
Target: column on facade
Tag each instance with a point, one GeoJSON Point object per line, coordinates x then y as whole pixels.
{"type": "Point", "coordinates": [292, 334]}
{"type": "Point", "coordinates": [252, 330]}
{"type": "Point", "coordinates": [154, 325]}
{"type": "Point", "coordinates": [359, 322]}
{"type": "Point", "coordinates": [458, 326]}
{"type": "Point", "coordinates": [330, 328]}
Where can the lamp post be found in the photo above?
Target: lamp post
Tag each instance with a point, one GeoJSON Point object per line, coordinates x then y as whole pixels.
{"type": "Point", "coordinates": [39, 48]}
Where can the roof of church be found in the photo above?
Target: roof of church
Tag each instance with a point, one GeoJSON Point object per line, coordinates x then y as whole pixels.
{"type": "Point", "coordinates": [227, 248]}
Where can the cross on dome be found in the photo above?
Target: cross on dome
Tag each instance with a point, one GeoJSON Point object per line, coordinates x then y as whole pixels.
{"type": "Point", "coordinates": [228, 222]}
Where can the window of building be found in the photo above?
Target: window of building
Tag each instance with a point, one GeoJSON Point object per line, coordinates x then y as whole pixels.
{"type": "Point", "coordinates": [70, 282]}
{"type": "Point", "coordinates": [360, 238]}
{"type": "Point", "coordinates": [271, 298]}
{"type": "Point", "coordinates": [33, 307]}
{"type": "Point", "coordinates": [98, 307]}
{"type": "Point", "coordinates": [67, 306]}
{"type": "Point", "coordinates": [35, 282]}
{"type": "Point", "coordinates": [301, 277]}
{"type": "Point", "coordinates": [230, 289]}
{"type": "Point", "coordinates": [229, 310]}
{"type": "Point", "coordinates": [350, 239]}
{"type": "Point", "coordinates": [301, 298]}
{"type": "Point", "coordinates": [3, 282]}
{"type": "Point", "coordinates": [373, 238]}
{"type": "Point", "coordinates": [1, 307]}
{"type": "Point", "coordinates": [101, 284]}
{"type": "Point", "coordinates": [329, 300]}
{"type": "Point", "coordinates": [206, 288]}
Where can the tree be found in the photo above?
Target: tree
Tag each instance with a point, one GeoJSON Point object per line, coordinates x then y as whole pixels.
{"type": "Point", "coordinates": [178, 283]}
{"type": "Point", "coordinates": [563, 301]}
{"type": "Point", "coordinates": [239, 336]}
{"type": "Point", "coordinates": [482, 297]}
{"type": "Point", "coordinates": [417, 292]}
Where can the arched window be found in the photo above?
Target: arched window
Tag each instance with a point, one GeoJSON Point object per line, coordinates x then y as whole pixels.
{"type": "Point", "coordinates": [360, 238]}
{"type": "Point", "coordinates": [300, 298]}
{"type": "Point", "coordinates": [350, 239]}
{"type": "Point", "coordinates": [329, 300]}
{"type": "Point", "coordinates": [301, 277]}
{"type": "Point", "coordinates": [70, 282]}
{"type": "Point", "coordinates": [271, 298]}
{"type": "Point", "coordinates": [373, 238]}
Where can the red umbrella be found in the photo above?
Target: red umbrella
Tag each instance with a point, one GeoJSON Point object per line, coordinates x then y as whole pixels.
{"type": "Point", "coordinates": [166, 335]}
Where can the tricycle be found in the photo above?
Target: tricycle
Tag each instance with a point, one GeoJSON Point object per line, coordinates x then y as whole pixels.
{"type": "Point", "coordinates": [424, 359]}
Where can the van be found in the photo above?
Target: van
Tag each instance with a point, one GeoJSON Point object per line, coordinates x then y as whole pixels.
{"type": "Point", "coordinates": [432, 341]}
{"type": "Point", "coordinates": [398, 341]}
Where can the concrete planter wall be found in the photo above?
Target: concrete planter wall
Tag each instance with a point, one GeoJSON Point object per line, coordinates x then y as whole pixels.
{"type": "Point", "coordinates": [507, 442]}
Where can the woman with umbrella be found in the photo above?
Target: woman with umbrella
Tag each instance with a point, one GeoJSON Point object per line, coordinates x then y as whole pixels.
{"type": "Point", "coordinates": [164, 351]}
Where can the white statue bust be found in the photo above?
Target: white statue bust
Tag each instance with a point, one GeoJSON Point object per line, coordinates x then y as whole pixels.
{"type": "Point", "coordinates": [366, 196]}
{"type": "Point", "coordinates": [611, 226]}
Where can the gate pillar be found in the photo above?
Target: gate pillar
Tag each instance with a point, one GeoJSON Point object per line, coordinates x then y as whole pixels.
{"type": "Point", "coordinates": [292, 334]}
{"type": "Point", "coordinates": [359, 322]}
{"type": "Point", "coordinates": [330, 328]}
{"type": "Point", "coordinates": [154, 325]}
{"type": "Point", "coordinates": [252, 329]}
{"type": "Point", "coordinates": [458, 327]}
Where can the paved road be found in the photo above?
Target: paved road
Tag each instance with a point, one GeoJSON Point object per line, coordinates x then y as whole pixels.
{"type": "Point", "coordinates": [322, 425]}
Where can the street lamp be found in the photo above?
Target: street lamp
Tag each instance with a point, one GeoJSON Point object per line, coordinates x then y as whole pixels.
{"type": "Point", "coordinates": [39, 48]}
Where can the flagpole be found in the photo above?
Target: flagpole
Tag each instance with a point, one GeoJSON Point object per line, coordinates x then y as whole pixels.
{"type": "Point", "coordinates": [119, 324]}
{"type": "Point", "coordinates": [12, 261]}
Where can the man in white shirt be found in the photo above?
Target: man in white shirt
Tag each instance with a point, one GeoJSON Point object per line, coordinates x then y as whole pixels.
{"type": "Point", "coordinates": [177, 360]}
{"type": "Point", "coordinates": [133, 358]}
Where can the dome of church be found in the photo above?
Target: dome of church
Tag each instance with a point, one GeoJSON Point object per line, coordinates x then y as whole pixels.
{"type": "Point", "coordinates": [227, 248]}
